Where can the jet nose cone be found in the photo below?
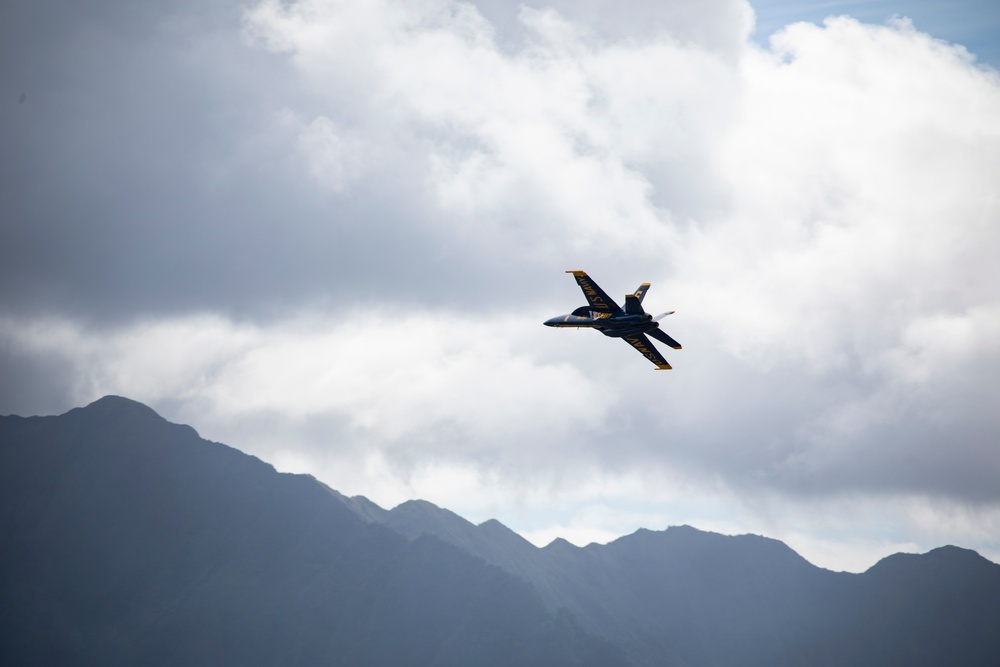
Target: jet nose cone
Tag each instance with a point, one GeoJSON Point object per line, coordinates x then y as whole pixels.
{"type": "Point", "coordinates": [551, 322]}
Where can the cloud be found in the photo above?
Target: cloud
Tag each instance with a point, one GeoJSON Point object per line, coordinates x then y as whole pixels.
{"type": "Point", "coordinates": [419, 386]}
{"type": "Point", "coordinates": [850, 256]}
{"type": "Point", "coordinates": [845, 171]}
{"type": "Point", "coordinates": [327, 232]}
{"type": "Point", "coordinates": [523, 153]}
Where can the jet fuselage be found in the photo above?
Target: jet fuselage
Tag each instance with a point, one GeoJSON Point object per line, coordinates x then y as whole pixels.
{"type": "Point", "coordinates": [615, 326]}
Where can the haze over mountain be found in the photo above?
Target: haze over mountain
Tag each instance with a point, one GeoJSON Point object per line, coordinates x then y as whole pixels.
{"type": "Point", "coordinates": [127, 539]}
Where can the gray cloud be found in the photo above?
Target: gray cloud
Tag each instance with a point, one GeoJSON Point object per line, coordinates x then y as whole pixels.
{"type": "Point", "coordinates": [151, 172]}
{"type": "Point", "coordinates": [328, 233]}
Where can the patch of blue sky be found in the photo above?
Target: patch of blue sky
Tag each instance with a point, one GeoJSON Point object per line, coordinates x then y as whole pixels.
{"type": "Point", "coordinates": [975, 24]}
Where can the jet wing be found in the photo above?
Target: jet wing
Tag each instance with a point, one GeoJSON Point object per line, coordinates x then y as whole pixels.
{"type": "Point", "coordinates": [596, 297]}
{"type": "Point", "coordinates": [664, 338]}
{"type": "Point", "coordinates": [646, 349]}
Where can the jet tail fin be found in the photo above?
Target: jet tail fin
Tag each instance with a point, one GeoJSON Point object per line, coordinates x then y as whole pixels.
{"type": "Point", "coordinates": [633, 305]}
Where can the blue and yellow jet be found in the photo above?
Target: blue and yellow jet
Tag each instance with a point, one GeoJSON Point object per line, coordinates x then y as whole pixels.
{"type": "Point", "coordinates": [631, 324]}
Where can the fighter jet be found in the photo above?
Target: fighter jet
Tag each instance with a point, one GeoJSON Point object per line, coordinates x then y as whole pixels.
{"type": "Point", "coordinates": [631, 324]}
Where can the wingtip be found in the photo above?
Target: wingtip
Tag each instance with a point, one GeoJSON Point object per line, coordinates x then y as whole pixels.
{"type": "Point", "coordinates": [665, 367]}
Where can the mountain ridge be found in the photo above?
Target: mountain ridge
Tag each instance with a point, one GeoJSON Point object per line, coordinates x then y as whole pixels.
{"type": "Point", "coordinates": [125, 536]}
{"type": "Point", "coordinates": [130, 540]}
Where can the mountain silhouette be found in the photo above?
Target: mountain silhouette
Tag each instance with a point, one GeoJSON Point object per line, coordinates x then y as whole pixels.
{"type": "Point", "coordinates": [126, 539]}
{"type": "Point", "coordinates": [687, 597]}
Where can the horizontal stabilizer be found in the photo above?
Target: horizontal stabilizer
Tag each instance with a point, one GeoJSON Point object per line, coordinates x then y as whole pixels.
{"type": "Point", "coordinates": [664, 338]}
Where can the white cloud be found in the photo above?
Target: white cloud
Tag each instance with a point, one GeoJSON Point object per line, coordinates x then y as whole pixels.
{"type": "Point", "coordinates": [521, 153]}
{"type": "Point", "coordinates": [417, 386]}
{"type": "Point", "coordinates": [822, 215]}
{"type": "Point", "coordinates": [859, 175]}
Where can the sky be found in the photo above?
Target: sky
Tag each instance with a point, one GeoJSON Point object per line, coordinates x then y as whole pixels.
{"type": "Point", "coordinates": [327, 233]}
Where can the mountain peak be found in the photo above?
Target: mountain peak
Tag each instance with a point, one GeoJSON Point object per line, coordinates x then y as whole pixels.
{"type": "Point", "coordinates": [117, 407]}
{"type": "Point", "coordinates": [561, 544]}
{"type": "Point", "coordinates": [951, 553]}
{"type": "Point", "coordinates": [948, 556]}
{"type": "Point", "coordinates": [118, 414]}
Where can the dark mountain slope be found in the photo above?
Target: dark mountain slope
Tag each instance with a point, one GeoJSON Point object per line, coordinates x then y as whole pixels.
{"type": "Point", "coordinates": [938, 608]}
{"type": "Point", "coordinates": [125, 539]}
{"type": "Point", "coordinates": [687, 597]}
{"type": "Point", "coordinates": [680, 596]}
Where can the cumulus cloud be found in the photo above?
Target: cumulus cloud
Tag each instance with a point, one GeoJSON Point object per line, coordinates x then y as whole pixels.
{"type": "Point", "coordinates": [850, 255]}
{"type": "Point", "coordinates": [842, 205]}
{"type": "Point", "coordinates": [420, 386]}
{"type": "Point", "coordinates": [344, 265]}
{"type": "Point", "coordinates": [520, 152]}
